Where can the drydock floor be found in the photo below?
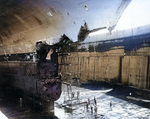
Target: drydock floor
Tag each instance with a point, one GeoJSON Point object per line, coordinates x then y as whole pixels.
{"type": "Point", "coordinates": [85, 102]}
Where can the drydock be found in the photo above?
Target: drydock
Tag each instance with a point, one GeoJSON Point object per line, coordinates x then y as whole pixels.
{"type": "Point", "coordinates": [69, 59]}
{"type": "Point", "coordinates": [98, 101]}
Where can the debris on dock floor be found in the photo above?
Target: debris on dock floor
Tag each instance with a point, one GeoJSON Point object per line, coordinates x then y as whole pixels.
{"type": "Point", "coordinates": [79, 102]}
{"type": "Point", "coordinates": [96, 104]}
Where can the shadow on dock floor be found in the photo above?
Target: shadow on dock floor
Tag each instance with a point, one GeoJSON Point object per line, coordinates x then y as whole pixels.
{"type": "Point", "coordinates": [130, 94]}
{"type": "Point", "coordinates": [10, 106]}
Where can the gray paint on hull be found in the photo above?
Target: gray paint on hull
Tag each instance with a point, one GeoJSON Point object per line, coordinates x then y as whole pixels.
{"type": "Point", "coordinates": [47, 20]}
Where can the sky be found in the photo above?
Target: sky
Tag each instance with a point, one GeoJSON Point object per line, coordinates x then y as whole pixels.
{"type": "Point", "coordinates": [136, 14]}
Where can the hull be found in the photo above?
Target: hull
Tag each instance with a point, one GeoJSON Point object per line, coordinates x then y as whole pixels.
{"type": "Point", "coordinates": [24, 22]}
{"type": "Point", "coordinates": [25, 76]}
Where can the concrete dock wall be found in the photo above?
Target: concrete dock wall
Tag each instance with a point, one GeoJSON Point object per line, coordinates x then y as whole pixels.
{"type": "Point", "coordinates": [128, 70]}
{"type": "Point", "coordinates": [134, 71]}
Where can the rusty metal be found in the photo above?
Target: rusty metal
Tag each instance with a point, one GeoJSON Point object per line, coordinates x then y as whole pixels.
{"type": "Point", "coordinates": [39, 80]}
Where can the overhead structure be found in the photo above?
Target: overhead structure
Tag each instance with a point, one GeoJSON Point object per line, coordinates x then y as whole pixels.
{"type": "Point", "coordinates": [25, 22]}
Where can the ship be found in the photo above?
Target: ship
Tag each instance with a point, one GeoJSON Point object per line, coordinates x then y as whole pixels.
{"type": "Point", "coordinates": [29, 30]}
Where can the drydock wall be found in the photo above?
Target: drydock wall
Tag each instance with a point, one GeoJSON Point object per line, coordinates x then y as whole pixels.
{"type": "Point", "coordinates": [128, 70]}
{"type": "Point", "coordinates": [134, 71]}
